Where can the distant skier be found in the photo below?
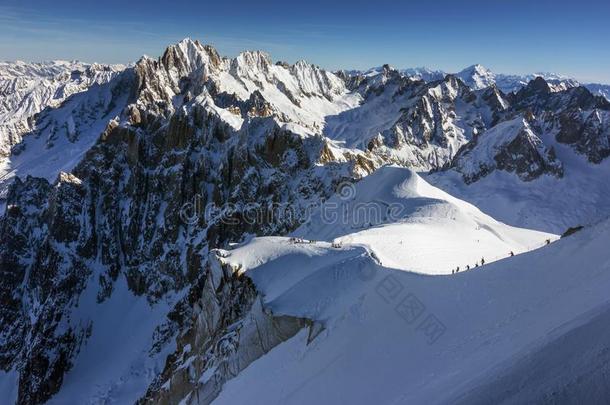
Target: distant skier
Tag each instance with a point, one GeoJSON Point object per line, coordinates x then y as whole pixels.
{"type": "Point", "coordinates": [467, 267]}
{"type": "Point", "coordinates": [482, 261]}
{"type": "Point", "coordinates": [511, 253]}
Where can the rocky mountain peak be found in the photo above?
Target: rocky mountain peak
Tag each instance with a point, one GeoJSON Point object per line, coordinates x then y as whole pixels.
{"type": "Point", "coordinates": [510, 146]}
{"type": "Point", "coordinates": [537, 86]}
{"type": "Point", "coordinates": [477, 77]}
{"type": "Point", "coordinates": [188, 56]}
{"type": "Point", "coordinates": [424, 73]}
{"type": "Point", "coordinates": [251, 61]}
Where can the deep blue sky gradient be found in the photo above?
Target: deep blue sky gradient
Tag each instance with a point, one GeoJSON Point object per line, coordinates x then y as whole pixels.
{"type": "Point", "coordinates": [508, 36]}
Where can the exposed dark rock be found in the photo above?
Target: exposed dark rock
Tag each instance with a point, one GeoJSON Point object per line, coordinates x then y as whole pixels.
{"type": "Point", "coordinates": [572, 230]}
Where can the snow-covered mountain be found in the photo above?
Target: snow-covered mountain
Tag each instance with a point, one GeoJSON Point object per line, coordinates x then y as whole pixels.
{"type": "Point", "coordinates": [599, 89]}
{"type": "Point", "coordinates": [394, 212]}
{"type": "Point", "coordinates": [28, 88]}
{"type": "Point", "coordinates": [181, 228]}
{"type": "Point", "coordinates": [423, 73]}
{"type": "Point", "coordinates": [479, 77]}
{"type": "Point", "coordinates": [512, 83]}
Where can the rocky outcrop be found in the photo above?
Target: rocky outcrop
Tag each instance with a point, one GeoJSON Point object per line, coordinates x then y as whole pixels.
{"type": "Point", "coordinates": [539, 96]}
{"type": "Point", "coordinates": [42, 274]}
{"type": "Point", "coordinates": [226, 328]}
{"type": "Point", "coordinates": [576, 116]}
{"type": "Point", "coordinates": [587, 132]}
{"type": "Point", "coordinates": [511, 146]}
{"type": "Point", "coordinates": [437, 119]}
{"type": "Point", "coordinates": [173, 176]}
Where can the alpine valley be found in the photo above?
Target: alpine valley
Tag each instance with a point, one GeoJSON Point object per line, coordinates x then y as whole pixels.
{"type": "Point", "coordinates": [195, 228]}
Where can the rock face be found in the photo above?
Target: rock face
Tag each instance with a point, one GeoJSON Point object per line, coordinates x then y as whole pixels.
{"type": "Point", "coordinates": [412, 123]}
{"type": "Point", "coordinates": [120, 214]}
{"type": "Point", "coordinates": [40, 223]}
{"type": "Point", "coordinates": [575, 116]}
{"type": "Point", "coordinates": [183, 155]}
{"type": "Point", "coordinates": [588, 132]}
{"type": "Point", "coordinates": [599, 89]}
{"type": "Point", "coordinates": [511, 146]}
{"type": "Point", "coordinates": [226, 330]}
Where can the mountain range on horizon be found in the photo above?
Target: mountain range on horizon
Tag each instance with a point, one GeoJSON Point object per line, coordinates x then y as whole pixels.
{"type": "Point", "coordinates": [194, 228]}
{"type": "Point", "coordinates": [474, 75]}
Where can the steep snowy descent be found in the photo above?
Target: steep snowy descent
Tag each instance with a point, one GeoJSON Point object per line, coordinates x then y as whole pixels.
{"type": "Point", "coordinates": [28, 88]}
{"type": "Point", "coordinates": [415, 338]}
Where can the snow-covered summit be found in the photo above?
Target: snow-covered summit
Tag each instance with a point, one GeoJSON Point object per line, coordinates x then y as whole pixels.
{"type": "Point", "coordinates": [302, 93]}
{"type": "Point", "coordinates": [511, 146]}
{"type": "Point", "coordinates": [477, 77]}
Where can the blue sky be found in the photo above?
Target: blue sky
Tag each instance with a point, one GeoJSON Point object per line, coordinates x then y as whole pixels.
{"type": "Point", "coordinates": [508, 36]}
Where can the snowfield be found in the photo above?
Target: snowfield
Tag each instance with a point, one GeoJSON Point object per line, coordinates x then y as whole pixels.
{"type": "Point", "coordinates": [394, 337]}
{"type": "Point", "coordinates": [409, 224]}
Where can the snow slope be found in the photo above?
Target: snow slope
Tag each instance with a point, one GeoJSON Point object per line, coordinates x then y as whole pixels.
{"type": "Point", "coordinates": [477, 77]}
{"type": "Point", "coordinates": [65, 136]}
{"type": "Point", "coordinates": [28, 88]}
{"type": "Point", "coordinates": [409, 224]}
{"type": "Point", "coordinates": [548, 203]}
{"type": "Point", "coordinates": [116, 363]}
{"type": "Point", "coordinates": [396, 337]}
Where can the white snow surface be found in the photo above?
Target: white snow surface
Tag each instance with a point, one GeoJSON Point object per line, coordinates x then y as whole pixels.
{"type": "Point", "coordinates": [396, 236]}
{"type": "Point", "coordinates": [477, 77]}
{"type": "Point", "coordinates": [409, 224]}
{"type": "Point", "coordinates": [28, 88]}
{"type": "Point", "coordinates": [395, 337]}
{"type": "Point", "coordinates": [115, 364]}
